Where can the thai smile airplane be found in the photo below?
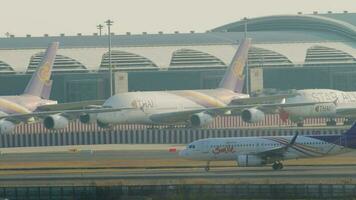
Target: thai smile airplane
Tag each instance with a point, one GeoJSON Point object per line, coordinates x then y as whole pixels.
{"type": "Point", "coordinates": [261, 151]}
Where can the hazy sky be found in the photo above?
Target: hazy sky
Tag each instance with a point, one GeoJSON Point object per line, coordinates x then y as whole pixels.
{"type": "Point", "coordinates": [37, 17]}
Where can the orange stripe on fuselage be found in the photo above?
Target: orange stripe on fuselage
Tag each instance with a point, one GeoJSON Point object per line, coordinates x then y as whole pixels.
{"type": "Point", "coordinates": [13, 107]}
{"type": "Point", "coordinates": [201, 98]}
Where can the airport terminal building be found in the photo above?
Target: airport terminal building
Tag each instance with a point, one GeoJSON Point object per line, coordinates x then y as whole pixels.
{"type": "Point", "coordinates": [288, 52]}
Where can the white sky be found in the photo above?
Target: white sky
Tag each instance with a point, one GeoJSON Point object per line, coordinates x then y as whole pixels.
{"type": "Point", "coordinates": [37, 17]}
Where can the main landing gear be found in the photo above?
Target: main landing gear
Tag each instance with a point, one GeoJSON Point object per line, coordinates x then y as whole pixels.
{"type": "Point", "coordinates": [300, 124]}
{"type": "Point", "coordinates": [277, 165]}
{"type": "Point", "coordinates": [207, 167]}
{"type": "Point", "coordinates": [331, 122]}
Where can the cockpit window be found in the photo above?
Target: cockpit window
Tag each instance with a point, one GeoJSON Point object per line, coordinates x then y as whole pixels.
{"type": "Point", "coordinates": [191, 146]}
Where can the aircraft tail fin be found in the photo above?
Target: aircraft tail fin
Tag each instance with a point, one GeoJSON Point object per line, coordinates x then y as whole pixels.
{"type": "Point", "coordinates": [351, 131]}
{"type": "Point", "coordinates": [40, 83]}
{"type": "Point", "coordinates": [235, 75]}
{"type": "Point", "coordinates": [46, 91]}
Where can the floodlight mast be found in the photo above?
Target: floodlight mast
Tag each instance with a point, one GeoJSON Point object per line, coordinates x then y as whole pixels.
{"type": "Point", "coordinates": [109, 23]}
{"type": "Point", "coordinates": [100, 27]}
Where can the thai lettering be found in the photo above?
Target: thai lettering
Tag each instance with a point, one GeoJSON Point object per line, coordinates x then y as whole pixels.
{"type": "Point", "coordinates": [142, 103]}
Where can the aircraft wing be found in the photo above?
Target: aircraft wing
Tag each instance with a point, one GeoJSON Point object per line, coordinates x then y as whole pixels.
{"type": "Point", "coordinates": [278, 153]}
{"type": "Point", "coordinates": [71, 114]}
{"type": "Point", "coordinates": [346, 111]}
{"type": "Point", "coordinates": [71, 106]}
{"type": "Point", "coordinates": [182, 115]}
{"type": "Point", "coordinates": [261, 99]}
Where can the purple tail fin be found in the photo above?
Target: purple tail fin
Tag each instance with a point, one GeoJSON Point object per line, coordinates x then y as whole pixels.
{"type": "Point", "coordinates": [235, 74]}
{"type": "Point", "coordinates": [40, 82]}
{"type": "Point", "coordinates": [351, 131]}
{"type": "Point", "coordinates": [348, 139]}
{"type": "Point", "coordinates": [46, 91]}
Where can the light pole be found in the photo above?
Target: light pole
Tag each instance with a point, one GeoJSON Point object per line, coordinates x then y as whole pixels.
{"type": "Point", "coordinates": [108, 24]}
{"type": "Point", "coordinates": [100, 27]}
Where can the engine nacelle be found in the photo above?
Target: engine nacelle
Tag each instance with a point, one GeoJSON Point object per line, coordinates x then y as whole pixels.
{"type": "Point", "coordinates": [103, 125]}
{"type": "Point", "coordinates": [201, 119]}
{"type": "Point", "coordinates": [252, 115]}
{"type": "Point", "coordinates": [55, 122]}
{"type": "Point", "coordinates": [250, 161]}
{"type": "Point", "coordinates": [6, 126]}
{"type": "Point", "coordinates": [88, 118]}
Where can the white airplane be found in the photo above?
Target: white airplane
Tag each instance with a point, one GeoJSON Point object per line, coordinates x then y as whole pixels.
{"type": "Point", "coordinates": [194, 108]}
{"type": "Point", "coordinates": [336, 104]}
{"type": "Point", "coordinates": [261, 151]}
{"type": "Point", "coordinates": [36, 94]}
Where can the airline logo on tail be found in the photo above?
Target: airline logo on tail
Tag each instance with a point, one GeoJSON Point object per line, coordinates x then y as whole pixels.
{"type": "Point", "coordinates": [40, 83]}
{"type": "Point", "coordinates": [238, 69]}
{"type": "Point", "coordinates": [45, 72]}
{"type": "Point", "coordinates": [234, 76]}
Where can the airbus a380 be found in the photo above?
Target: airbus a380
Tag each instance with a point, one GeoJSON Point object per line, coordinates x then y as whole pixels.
{"type": "Point", "coordinates": [344, 105]}
{"type": "Point", "coordinates": [189, 107]}
{"type": "Point", "coordinates": [36, 94]}
{"type": "Point", "coordinates": [194, 108]}
{"type": "Point", "coordinates": [261, 151]}
{"type": "Point", "coordinates": [328, 103]}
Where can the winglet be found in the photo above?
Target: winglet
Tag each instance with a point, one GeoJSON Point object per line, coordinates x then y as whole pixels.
{"type": "Point", "coordinates": [335, 101]}
{"type": "Point", "coordinates": [291, 143]}
{"type": "Point", "coordinates": [283, 101]}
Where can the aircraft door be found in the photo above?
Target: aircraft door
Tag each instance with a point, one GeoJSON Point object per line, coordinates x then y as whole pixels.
{"type": "Point", "coordinates": [204, 146]}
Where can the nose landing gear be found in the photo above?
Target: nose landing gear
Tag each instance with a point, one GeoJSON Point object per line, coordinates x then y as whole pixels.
{"type": "Point", "coordinates": [207, 167]}
{"type": "Point", "coordinates": [277, 166]}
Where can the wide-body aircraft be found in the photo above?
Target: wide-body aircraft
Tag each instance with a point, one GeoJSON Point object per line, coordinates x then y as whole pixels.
{"type": "Point", "coordinates": [328, 104]}
{"type": "Point", "coordinates": [193, 108]}
{"type": "Point", "coordinates": [35, 95]}
{"type": "Point", "coordinates": [344, 105]}
{"type": "Point", "coordinates": [264, 150]}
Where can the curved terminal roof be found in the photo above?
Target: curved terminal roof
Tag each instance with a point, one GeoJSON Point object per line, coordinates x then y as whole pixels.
{"type": "Point", "coordinates": [5, 68]}
{"type": "Point", "coordinates": [259, 57]}
{"type": "Point", "coordinates": [317, 55]}
{"type": "Point", "coordinates": [283, 40]}
{"type": "Point", "coordinates": [61, 63]}
{"type": "Point", "coordinates": [126, 61]}
{"type": "Point", "coordinates": [190, 58]}
{"type": "Point", "coordinates": [293, 22]}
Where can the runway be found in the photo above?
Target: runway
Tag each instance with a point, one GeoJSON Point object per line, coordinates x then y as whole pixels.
{"type": "Point", "coordinates": [220, 175]}
{"type": "Point", "coordinates": [155, 164]}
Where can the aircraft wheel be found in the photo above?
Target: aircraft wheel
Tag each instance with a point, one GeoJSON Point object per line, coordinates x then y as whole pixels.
{"type": "Point", "coordinates": [207, 168]}
{"type": "Point", "coordinates": [300, 124]}
{"type": "Point", "coordinates": [277, 166]}
{"type": "Point", "coordinates": [280, 166]}
{"type": "Point", "coordinates": [331, 123]}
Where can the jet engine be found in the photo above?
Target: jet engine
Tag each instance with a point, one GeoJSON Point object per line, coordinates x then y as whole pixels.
{"type": "Point", "coordinates": [55, 122]}
{"type": "Point", "coordinates": [103, 125]}
{"type": "Point", "coordinates": [252, 115]}
{"type": "Point", "coordinates": [88, 118]}
{"type": "Point", "coordinates": [201, 119]}
{"type": "Point", "coordinates": [250, 161]}
{"type": "Point", "coordinates": [6, 126]}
